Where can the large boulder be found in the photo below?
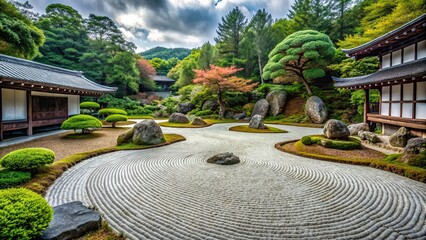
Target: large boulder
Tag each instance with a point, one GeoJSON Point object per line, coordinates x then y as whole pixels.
{"type": "Point", "coordinates": [400, 138]}
{"type": "Point", "coordinates": [355, 128]}
{"type": "Point", "coordinates": [147, 132]}
{"type": "Point", "coordinates": [256, 122]}
{"type": "Point", "coordinates": [185, 107]}
{"type": "Point", "coordinates": [369, 136]}
{"type": "Point", "coordinates": [72, 220]}
{"type": "Point", "coordinates": [415, 146]}
{"type": "Point", "coordinates": [125, 137]}
{"type": "Point", "coordinates": [199, 121]}
{"type": "Point", "coordinates": [336, 129]}
{"type": "Point", "coordinates": [178, 118]}
{"type": "Point", "coordinates": [260, 108]}
{"type": "Point", "coordinates": [276, 100]}
{"type": "Point", "coordinates": [224, 159]}
{"type": "Point", "coordinates": [316, 110]}
{"type": "Point", "coordinates": [210, 105]}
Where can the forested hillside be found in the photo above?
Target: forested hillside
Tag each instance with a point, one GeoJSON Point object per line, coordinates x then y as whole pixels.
{"type": "Point", "coordinates": [166, 53]}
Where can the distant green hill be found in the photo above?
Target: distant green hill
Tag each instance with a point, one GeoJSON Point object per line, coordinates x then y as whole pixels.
{"type": "Point", "coordinates": [166, 53]}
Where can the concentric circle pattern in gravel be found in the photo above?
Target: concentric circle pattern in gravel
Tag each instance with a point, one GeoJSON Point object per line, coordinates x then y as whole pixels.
{"type": "Point", "coordinates": [172, 193]}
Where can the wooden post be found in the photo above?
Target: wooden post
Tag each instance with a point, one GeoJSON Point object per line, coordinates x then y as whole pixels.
{"type": "Point", "coordinates": [29, 114]}
{"type": "Point", "coordinates": [366, 103]}
{"type": "Point", "coordinates": [1, 116]}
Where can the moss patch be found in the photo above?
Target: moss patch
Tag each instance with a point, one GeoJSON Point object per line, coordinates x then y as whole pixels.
{"type": "Point", "coordinates": [181, 125]}
{"type": "Point", "coordinates": [140, 117]}
{"type": "Point", "coordinates": [45, 176]}
{"type": "Point", "coordinates": [364, 156]}
{"type": "Point", "coordinates": [246, 128]}
{"type": "Point", "coordinates": [280, 122]}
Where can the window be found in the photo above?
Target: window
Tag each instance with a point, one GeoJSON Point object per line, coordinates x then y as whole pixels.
{"type": "Point", "coordinates": [409, 53]}
{"type": "Point", "coordinates": [421, 49]}
{"type": "Point", "coordinates": [396, 57]}
{"type": "Point", "coordinates": [14, 104]}
{"type": "Point", "coordinates": [386, 61]}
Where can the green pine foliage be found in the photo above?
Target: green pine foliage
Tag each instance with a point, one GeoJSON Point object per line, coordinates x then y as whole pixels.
{"type": "Point", "coordinates": [114, 118]}
{"type": "Point", "coordinates": [27, 159]}
{"type": "Point", "coordinates": [89, 105]}
{"type": "Point", "coordinates": [110, 111]}
{"type": "Point", "coordinates": [304, 54]}
{"type": "Point", "coordinates": [166, 53]}
{"type": "Point", "coordinates": [23, 214]}
{"type": "Point", "coordinates": [9, 178]}
{"type": "Point", "coordinates": [82, 122]}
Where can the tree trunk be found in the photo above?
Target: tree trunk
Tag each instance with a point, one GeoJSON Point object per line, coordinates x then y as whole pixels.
{"type": "Point", "coordinates": [221, 104]}
{"type": "Point", "coordinates": [308, 88]}
{"type": "Point", "coordinates": [259, 59]}
{"type": "Point", "coordinates": [113, 124]}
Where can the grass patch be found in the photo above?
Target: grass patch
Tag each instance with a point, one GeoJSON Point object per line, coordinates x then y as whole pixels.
{"type": "Point", "coordinates": [246, 128]}
{"type": "Point", "coordinates": [356, 157]}
{"type": "Point", "coordinates": [46, 175]}
{"type": "Point", "coordinates": [140, 117]}
{"type": "Point", "coordinates": [292, 120]}
{"type": "Point", "coordinates": [120, 123]}
{"type": "Point", "coordinates": [83, 135]}
{"type": "Point", "coordinates": [104, 233]}
{"type": "Point", "coordinates": [181, 125]}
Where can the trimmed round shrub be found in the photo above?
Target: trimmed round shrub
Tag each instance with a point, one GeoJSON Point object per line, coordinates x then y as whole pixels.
{"type": "Point", "coordinates": [110, 111]}
{"type": "Point", "coordinates": [345, 145]}
{"type": "Point", "coordinates": [83, 122]}
{"type": "Point", "coordinates": [27, 159]}
{"type": "Point", "coordinates": [306, 140]}
{"type": "Point", "coordinates": [89, 105]}
{"type": "Point", "coordinates": [23, 214]}
{"type": "Point", "coordinates": [114, 118]}
{"type": "Point", "coordinates": [10, 178]}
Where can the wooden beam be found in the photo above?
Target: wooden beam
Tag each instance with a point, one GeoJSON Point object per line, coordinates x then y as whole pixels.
{"type": "Point", "coordinates": [366, 104]}
{"type": "Point", "coordinates": [397, 121]}
{"type": "Point", "coordinates": [1, 116]}
{"type": "Point", "coordinates": [29, 113]}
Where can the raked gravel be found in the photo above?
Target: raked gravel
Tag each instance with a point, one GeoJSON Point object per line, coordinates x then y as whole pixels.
{"type": "Point", "coordinates": [173, 193]}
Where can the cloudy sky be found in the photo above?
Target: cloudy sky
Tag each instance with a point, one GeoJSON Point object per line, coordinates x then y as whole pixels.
{"type": "Point", "coordinates": [168, 23]}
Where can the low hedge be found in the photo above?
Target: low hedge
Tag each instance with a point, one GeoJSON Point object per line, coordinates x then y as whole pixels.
{"type": "Point", "coordinates": [114, 118]}
{"type": "Point", "coordinates": [306, 140]}
{"type": "Point", "coordinates": [89, 105]}
{"type": "Point", "coordinates": [349, 144]}
{"type": "Point", "coordinates": [27, 159]}
{"type": "Point", "coordinates": [10, 178]}
{"type": "Point", "coordinates": [83, 122]}
{"type": "Point", "coordinates": [23, 214]}
{"type": "Point", "coordinates": [110, 111]}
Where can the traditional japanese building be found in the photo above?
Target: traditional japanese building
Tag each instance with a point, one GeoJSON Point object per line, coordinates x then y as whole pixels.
{"type": "Point", "coordinates": [163, 84]}
{"type": "Point", "coordinates": [35, 95]}
{"type": "Point", "coordinates": [401, 79]}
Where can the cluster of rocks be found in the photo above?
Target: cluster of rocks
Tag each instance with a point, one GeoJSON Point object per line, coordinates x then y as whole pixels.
{"type": "Point", "coordinates": [72, 220]}
{"type": "Point", "coordinates": [144, 132]}
{"type": "Point", "coordinates": [182, 118]}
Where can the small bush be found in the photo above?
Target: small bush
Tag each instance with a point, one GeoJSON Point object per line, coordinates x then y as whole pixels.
{"type": "Point", "coordinates": [306, 140]}
{"type": "Point", "coordinates": [10, 178]}
{"type": "Point", "coordinates": [23, 214]}
{"type": "Point", "coordinates": [418, 160]}
{"type": "Point", "coordinates": [110, 111]}
{"type": "Point", "coordinates": [114, 118]}
{"type": "Point", "coordinates": [27, 158]}
{"type": "Point", "coordinates": [204, 113]}
{"type": "Point", "coordinates": [248, 108]}
{"type": "Point", "coordinates": [82, 122]}
{"type": "Point", "coordinates": [89, 105]}
{"type": "Point", "coordinates": [345, 145]}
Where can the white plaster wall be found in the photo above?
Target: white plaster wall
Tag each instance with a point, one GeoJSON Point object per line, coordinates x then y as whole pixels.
{"type": "Point", "coordinates": [409, 53]}
{"type": "Point", "coordinates": [386, 60]}
{"type": "Point", "coordinates": [14, 104]}
{"type": "Point", "coordinates": [421, 49]}
{"type": "Point", "coordinates": [73, 101]}
{"type": "Point", "coordinates": [396, 58]}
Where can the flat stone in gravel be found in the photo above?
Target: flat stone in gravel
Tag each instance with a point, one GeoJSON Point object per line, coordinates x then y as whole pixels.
{"type": "Point", "coordinates": [224, 159]}
{"type": "Point", "coordinates": [199, 121]}
{"type": "Point", "coordinates": [178, 118]}
{"type": "Point", "coordinates": [70, 221]}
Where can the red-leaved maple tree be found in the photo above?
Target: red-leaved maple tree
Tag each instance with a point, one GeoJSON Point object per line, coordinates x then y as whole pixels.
{"type": "Point", "coordinates": [220, 80]}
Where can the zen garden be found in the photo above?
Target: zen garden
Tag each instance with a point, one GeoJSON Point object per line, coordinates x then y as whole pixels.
{"type": "Point", "coordinates": [280, 119]}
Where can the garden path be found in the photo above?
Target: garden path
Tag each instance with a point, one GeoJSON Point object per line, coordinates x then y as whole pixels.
{"type": "Point", "coordinates": [172, 193]}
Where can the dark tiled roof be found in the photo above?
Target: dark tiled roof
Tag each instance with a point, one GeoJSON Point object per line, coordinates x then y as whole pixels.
{"type": "Point", "coordinates": [38, 73]}
{"type": "Point", "coordinates": [406, 27]}
{"type": "Point", "coordinates": [159, 78]}
{"type": "Point", "coordinates": [401, 71]}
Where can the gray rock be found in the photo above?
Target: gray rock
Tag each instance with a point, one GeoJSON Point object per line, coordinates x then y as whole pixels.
{"type": "Point", "coordinates": [355, 128]}
{"type": "Point", "coordinates": [72, 220]}
{"type": "Point", "coordinates": [199, 121]}
{"type": "Point", "coordinates": [239, 116]}
{"type": "Point", "coordinates": [125, 137]}
{"type": "Point", "coordinates": [260, 108]}
{"type": "Point", "coordinates": [336, 129]}
{"type": "Point", "coordinates": [256, 122]}
{"type": "Point", "coordinates": [224, 159]}
{"type": "Point", "coordinates": [178, 118]}
{"type": "Point", "coordinates": [147, 132]}
{"type": "Point", "coordinates": [229, 114]}
{"type": "Point", "coordinates": [316, 110]}
{"type": "Point", "coordinates": [185, 107]}
{"type": "Point", "coordinates": [400, 138]}
{"type": "Point", "coordinates": [210, 105]}
{"type": "Point", "coordinates": [371, 137]}
{"type": "Point", "coordinates": [415, 146]}
{"type": "Point", "coordinates": [276, 100]}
